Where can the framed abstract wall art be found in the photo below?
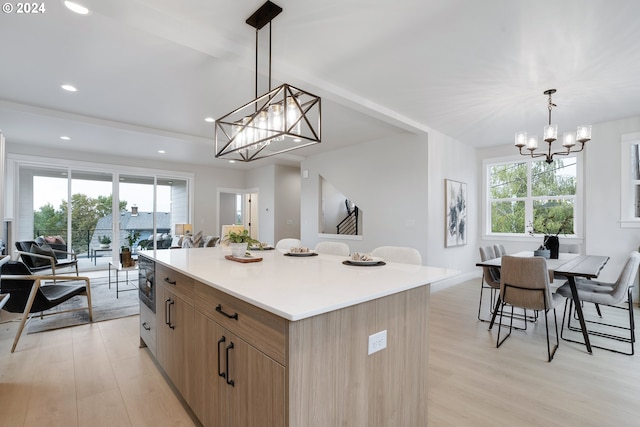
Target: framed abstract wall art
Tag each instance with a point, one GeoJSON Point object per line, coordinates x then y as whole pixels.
{"type": "Point", "coordinates": [455, 213]}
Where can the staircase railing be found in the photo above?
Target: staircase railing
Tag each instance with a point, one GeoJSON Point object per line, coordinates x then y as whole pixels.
{"type": "Point", "coordinates": [349, 225]}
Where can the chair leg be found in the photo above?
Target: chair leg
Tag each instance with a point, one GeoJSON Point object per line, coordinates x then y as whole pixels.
{"type": "Point", "coordinates": [550, 352]}
{"type": "Point", "coordinates": [25, 314]}
{"type": "Point", "coordinates": [498, 342]}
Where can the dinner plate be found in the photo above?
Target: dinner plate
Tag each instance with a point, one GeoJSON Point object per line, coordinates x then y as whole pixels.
{"type": "Point", "coordinates": [372, 261]}
{"type": "Point", "coordinates": [310, 253]}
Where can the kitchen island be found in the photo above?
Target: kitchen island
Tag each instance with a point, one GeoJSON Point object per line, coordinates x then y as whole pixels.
{"type": "Point", "coordinates": [286, 341]}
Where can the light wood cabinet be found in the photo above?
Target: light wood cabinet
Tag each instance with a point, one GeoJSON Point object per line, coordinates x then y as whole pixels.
{"type": "Point", "coordinates": [237, 384]}
{"type": "Point", "coordinates": [148, 328]}
{"type": "Point", "coordinates": [175, 326]}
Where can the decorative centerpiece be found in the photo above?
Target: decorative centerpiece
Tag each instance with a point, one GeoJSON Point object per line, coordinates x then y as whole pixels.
{"type": "Point", "coordinates": [239, 242]}
{"type": "Point", "coordinates": [105, 242]}
{"type": "Point", "coordinates": [551, 225]}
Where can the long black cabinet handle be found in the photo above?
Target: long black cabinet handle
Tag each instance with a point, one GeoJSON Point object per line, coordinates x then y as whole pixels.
{"type": "Point", "coordinates": [171, 324]}
{"type": "Point", "coordinates": [230, 316]}
{"type": "Point", "coordinates": [146, 326]}
{"type": "Point", "coordinates": [229, 381]}
{"type": "Point", "coordinates": [220, 373]}
{"type": "Point", "coordinates": [169, 281]}
{"type": "Point", "coordinates": [166, 311]}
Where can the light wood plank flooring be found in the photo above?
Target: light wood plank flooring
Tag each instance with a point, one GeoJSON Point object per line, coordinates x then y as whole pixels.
{"type": "Point", "coordinates": [95, 375]}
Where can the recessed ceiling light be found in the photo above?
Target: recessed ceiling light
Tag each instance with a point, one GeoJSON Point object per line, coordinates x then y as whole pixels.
{"type": "Point", "coordinates": [209, 120]}
{"type": "Point", "coordinates": [161, 151]}
{"type": "Point", "coordinates": [66, 138]}
{"type": "Point", "coordinates": [232, 161]}
{"type": "Point", "coordinates": [69, 88]}
{"type": "Point", "coordinates": [77, 8]}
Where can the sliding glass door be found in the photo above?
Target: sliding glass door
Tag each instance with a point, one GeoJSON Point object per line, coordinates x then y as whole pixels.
{"type": "Point", "coordinates": [109, 209]}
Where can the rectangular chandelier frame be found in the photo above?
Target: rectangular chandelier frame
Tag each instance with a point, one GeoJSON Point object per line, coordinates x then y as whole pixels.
{"type": "Point", "coordinates": [283, 119]}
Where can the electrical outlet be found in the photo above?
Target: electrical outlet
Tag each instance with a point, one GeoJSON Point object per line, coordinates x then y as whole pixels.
{"type": "Point", "coordinates": [377, 341]}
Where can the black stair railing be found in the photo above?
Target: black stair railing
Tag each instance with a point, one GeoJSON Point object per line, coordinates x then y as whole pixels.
{"type": "Point", "coordinates": [349, 225]}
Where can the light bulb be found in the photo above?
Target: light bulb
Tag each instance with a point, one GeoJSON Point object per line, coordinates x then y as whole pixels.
{"type": "Point", "coordinates": [532, 143]}
{"type": "Point", "coordinates": [276, 121]}
{"type": "Point", "coordinates": [521, 139]}
{"type": "Point", "coordinates": [293, 114]}
{"type": "Point", "coordinates": [550, 133]}
{"type": "Point", "coordinates": [568, 139]}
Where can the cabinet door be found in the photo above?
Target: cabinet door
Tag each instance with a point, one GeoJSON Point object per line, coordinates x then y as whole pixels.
{"type": "Point", "coordinates": [257, 396]}
{"type": "Point", "coordinates": [211, 396]}
{"type": "Point", "coordinates": [175, 341]}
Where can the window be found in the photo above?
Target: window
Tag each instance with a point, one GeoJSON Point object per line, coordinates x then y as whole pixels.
{"type": "Point", "coordinates": [630, 191]}
{"type": "Point", "coordinates": [532, 196]}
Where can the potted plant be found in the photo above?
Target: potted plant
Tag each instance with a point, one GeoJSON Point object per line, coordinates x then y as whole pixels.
{"type": "Point", "coordinates": [239, 242]}
{"type": "Point", "coordinates": [105, 241]}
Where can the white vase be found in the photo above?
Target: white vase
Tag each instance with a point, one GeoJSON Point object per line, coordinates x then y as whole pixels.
{"type": "Point", "coordinates": [104, 245]}
{"type": "Point", "coordinates": [238, 249]}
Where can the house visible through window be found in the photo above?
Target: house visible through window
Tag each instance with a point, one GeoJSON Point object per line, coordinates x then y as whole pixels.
{"type": "Point", "coordinates": [532, 196]}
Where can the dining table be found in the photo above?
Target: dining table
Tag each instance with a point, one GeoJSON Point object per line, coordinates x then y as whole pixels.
{"type": "Point", "coordinates": [569, 266]}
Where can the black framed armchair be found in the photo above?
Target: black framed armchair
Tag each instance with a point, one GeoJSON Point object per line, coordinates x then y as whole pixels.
{"type": "Point", "coordinates": [43, 257]}
{"type": "Point", "coordinates": [28, 295]}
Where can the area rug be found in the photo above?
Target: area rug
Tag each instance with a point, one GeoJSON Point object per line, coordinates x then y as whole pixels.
{"type": "Point", "coordinates": [105, 306]}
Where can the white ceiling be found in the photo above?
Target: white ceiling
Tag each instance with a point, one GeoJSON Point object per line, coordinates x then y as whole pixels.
{"type": "Point", "coordinates": [149, 71]}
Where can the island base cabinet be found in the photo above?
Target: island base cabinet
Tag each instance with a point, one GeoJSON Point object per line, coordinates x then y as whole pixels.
{"type": "Point", "coordinates": [239, 386]}
{"type": "Point", "coordinates": [174, 347]}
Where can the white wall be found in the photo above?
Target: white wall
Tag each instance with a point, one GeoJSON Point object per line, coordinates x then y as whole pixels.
{"type": "Point", "coordinates": [387, 179]}
{"type": "Point", "coordinates": [603, 233]}
{"type": "Point", "coordinates": [451, 159]}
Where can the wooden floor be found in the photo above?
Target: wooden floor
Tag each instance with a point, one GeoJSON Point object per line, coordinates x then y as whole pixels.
{"type": "Point", "coordinates": [95, 375]}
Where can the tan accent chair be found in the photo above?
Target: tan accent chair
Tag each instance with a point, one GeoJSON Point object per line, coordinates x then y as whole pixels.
{"type": "Point", "coordinates": [524, 283]}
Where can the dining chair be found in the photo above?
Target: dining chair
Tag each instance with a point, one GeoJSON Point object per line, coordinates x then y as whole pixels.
{"type": "Point", "coordinates": [490, 280]}
{"type": "Point", "coordinates": [29, 296]}
{"type": "Point", "coordinates": [499, 250]}
{"type": "Point", "coordinates": [608, 295]}
{"type": "Point", "coordinates": [333, 248]}
{"type": "Point", "coordinates": [399, 254]}
{"type": "Point", "coordinates": [524, 283]}
{"type": "Point", "coordinates": [284, 245]}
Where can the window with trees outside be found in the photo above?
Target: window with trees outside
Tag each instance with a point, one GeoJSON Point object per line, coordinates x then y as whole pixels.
{"type": "Point", "coordinates": [532, 197]}
{"type": "Point", "coordinates": [630, 180]}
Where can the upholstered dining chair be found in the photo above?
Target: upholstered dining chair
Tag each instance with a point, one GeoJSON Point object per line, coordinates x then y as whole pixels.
{"type": "Point", "coordinates": [29, 296]}
{"type": "Point", "coordinates": [490, 280]}
{"type": "Point", "coordinates": [333, 248]}
{"type": "Point", "coordinates": [524, 283]}
{"type": "Point", "coordinates": [399, 254]}
{"type": "Point", "coordinates": [499, 250]}
{"type": "Point", "coordinates": [284, 245]}
{"type": "Point", "coordinates": [616, 295]}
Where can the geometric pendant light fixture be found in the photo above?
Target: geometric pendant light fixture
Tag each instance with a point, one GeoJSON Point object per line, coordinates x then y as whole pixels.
{"type": "Point", "coordinates": [582, 135]}
{"type": "Point", "coordinates": [283, 119]}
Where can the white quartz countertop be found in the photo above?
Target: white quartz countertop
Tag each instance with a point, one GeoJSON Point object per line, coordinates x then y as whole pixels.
{"type": "Point", "coordinates": [296, 287]}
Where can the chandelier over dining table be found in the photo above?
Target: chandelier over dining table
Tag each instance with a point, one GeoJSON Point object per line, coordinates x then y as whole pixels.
{"type": "Point", "coordinates": [569, 139]}
{"type": "Point", "coordinates": [283, 119]}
